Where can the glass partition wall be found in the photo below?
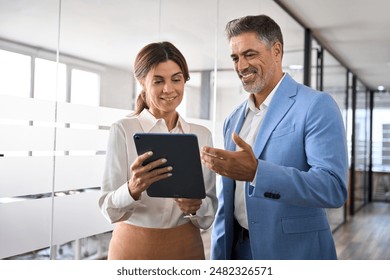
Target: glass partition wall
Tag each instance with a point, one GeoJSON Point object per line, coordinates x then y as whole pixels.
{"type": "Point", "coordinates": [28, 54]}
{"type": "Point", "coordinates": [334, 81]}
{"type": "Point", "coordinates": [381, 147]}
{"type": "Point", "coordinates": [66, 70]}
{"type": "Point", "coordinates": [362, 150]}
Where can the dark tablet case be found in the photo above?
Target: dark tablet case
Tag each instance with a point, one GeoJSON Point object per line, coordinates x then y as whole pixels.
{"type": "Point", "coordinates": [182, 153]}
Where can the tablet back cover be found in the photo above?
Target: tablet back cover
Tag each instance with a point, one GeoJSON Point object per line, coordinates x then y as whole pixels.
{"type": "Point", "coordinates": [182, 153]}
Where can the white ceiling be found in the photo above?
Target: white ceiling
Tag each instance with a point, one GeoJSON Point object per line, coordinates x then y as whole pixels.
{"type": "Point", "coordinates": [111, 32]}
{"type": "Point", "coordinates": [356, 31]}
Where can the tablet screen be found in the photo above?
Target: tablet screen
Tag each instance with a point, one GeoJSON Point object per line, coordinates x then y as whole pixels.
{"type": "Point", "coordinates": [182, 153]}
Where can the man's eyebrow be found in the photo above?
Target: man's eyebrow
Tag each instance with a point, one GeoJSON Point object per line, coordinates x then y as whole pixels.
{"type": "Point", "coordinates": [244, 52]}
{"type": "Point", "coordinates": [249, 50]}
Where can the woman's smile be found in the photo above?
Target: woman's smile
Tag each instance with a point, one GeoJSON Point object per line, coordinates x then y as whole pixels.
{"type": "Point", "coordinates": [171, 98]}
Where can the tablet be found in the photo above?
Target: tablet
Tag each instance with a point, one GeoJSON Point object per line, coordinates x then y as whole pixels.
{"type": "Point", "coordinates": [182, 153]}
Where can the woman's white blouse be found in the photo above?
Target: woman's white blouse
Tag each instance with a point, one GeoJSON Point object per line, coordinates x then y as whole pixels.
{"type": "Point", "coordinates": [115, 201]}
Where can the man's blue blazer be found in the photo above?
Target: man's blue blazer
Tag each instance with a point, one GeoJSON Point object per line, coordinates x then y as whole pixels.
{"type": "Point", "coordinates": [302, 169]}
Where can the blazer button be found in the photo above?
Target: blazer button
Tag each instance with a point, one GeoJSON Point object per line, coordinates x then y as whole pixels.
{"type": "Point", "coordinates": [268, 194]}
{"type": "Point", "coordinates": [272, 195]}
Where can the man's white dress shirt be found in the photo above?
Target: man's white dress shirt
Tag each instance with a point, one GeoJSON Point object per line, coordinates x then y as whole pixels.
{"type": "Point", "coordinates": [248, 132]}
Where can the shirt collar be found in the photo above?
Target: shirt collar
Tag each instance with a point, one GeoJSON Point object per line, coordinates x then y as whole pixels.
{"type": "Point", "coordinates": [149, 122]}
{"type": "Point", "coordinates": [251, 103]}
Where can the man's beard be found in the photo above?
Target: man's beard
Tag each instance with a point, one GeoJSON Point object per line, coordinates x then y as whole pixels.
{"type": "Point", "coordinates": [259, 83]}
{"type": "Point", "coordinates": [255, 87]}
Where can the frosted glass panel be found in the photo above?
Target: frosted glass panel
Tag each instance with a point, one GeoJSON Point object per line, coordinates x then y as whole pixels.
{"type": "Point", "coordinates": [77, 216]}
{"type": "Point", "coordinates": [25, 227]}
{"type": "Point", "coordinates": [77, 172]}
{"type": "Point", "coordinates": [25, 176]}
{"type": "Point", "coordinates": [26, 138]}
{"type": "Point", "coordinates": [73, 113]}
{"type": "Point", "coordinates": [19, 108]}
{"type": "Point", "coordinates": [81, 139]}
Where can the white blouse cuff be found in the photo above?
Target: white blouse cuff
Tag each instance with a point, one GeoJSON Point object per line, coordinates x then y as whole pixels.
{"type": "Point", "coordinates": [122, 197]}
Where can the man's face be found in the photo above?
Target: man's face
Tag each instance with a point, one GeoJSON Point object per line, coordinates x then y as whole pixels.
{"type": "Point", "coordinates": [254, 62]}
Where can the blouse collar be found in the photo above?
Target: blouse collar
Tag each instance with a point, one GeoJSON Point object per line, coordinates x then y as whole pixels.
{"type": "Point", "coordinates": [150, 123]}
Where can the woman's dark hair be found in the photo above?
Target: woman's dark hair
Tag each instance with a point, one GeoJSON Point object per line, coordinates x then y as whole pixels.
{"type": "Point", "coordinates": [148, 58]}
{"type": "Point", "coordinates": [266, 29]}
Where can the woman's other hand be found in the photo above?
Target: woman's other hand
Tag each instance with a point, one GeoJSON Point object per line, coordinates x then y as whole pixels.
{"type": "Point", "coordinates": [188, 206]}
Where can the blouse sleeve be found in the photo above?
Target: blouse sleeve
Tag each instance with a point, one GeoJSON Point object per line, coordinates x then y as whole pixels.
{"type": "Point", "coordinates": [115, 201]}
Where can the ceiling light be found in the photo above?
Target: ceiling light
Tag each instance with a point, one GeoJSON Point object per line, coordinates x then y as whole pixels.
{"type": "Point", "coordinates": [381, 88]}
{"type": "Point", "coordinates": [295, 67]}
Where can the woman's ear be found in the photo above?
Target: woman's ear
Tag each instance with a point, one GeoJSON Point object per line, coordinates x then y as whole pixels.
{"type": "Point", "coordinates": [142, 83]}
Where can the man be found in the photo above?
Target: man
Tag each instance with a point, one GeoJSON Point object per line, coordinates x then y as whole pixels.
{"type": "Point", "coordinates": [285, 159]}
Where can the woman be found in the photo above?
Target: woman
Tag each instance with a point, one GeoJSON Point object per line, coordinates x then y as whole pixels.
{"type": "Point", "coordinates": [149, 227]}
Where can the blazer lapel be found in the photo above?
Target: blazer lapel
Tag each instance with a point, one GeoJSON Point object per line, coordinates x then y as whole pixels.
{"type": "Point", "coordinates": [280, 104]}
{"type": "Point", "coordinates": [235, 127]}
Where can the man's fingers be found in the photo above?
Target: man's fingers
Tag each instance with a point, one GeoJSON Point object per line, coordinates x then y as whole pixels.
{"type": "Point", "coordinates": [239, 141]}
{"type": "Point", "coordinates": [213, 153]}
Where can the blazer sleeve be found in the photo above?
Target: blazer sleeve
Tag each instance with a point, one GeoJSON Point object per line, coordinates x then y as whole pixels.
{"type": "Point", "coordinates": [317, 169]}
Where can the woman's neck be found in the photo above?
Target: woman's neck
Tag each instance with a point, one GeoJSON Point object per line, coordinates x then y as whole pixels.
{"type": "Point", "coordinates": [170, 118]}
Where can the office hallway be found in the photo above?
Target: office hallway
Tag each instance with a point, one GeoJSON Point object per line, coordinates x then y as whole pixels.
{"type": "Point", "coordinates": [366, 236]}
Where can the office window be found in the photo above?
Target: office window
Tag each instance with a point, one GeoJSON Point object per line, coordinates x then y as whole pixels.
{"type": "Point", "coordinates": [15, 73]}
{"type": "Point", "coordinates": [46, 85]}
{"type": "Point", "coordinates": [85, 88]}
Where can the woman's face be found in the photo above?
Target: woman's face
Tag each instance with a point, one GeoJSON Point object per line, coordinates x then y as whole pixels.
{"type": "Point", "coordinates": [164, 88]}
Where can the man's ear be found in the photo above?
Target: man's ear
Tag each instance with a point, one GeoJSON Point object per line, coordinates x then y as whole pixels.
{"type": "Point", "coordinates": [277, 52]}
{"type": "Point", "coordinates": [278, 49]}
